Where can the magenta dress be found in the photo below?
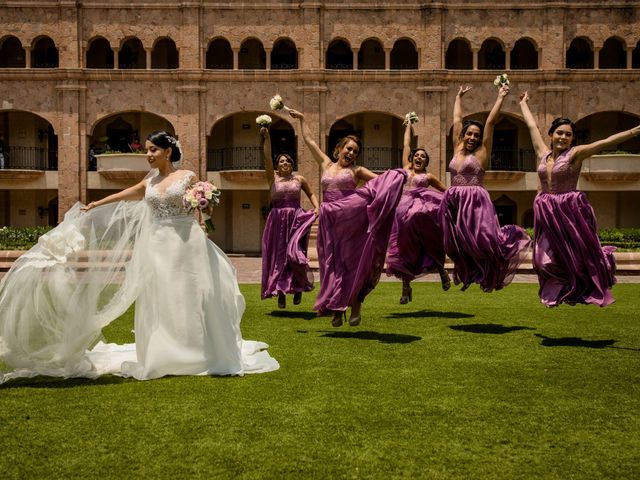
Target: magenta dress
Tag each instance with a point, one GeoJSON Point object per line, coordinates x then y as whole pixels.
{"type": "Point", "coordinates": [416, 244]}
{"type": "Point", "coordinates": [353, 233]}
{"type": "Point", "coordinates": [481, 250]}
{"type": "Point", "coordinates": [285, 266]}
{"type": "Point", "coordinates": [571, 264]}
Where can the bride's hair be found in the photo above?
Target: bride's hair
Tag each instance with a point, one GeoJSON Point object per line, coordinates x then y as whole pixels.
{"type": "Point", "coordinates": [166, 140]}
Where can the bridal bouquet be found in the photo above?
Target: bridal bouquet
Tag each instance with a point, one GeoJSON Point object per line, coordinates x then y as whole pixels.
{"type": "Point", "coordinates": [276, 103]}
{"type": "Point", "coordinates": [202, 196]}
{"type": "Point", "coordinates": [501, 80]}
{"type": "Point", "coordinates": [410, 118]}
{"type": "Point", "coordinates": [264, 121]}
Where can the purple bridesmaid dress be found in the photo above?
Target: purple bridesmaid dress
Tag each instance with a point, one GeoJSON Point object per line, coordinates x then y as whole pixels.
{"type": "Point", "coordinates": [571, 264]}
{"type": "Point", "coordinates": [353, 234]}
{"type": "Point", "coordinates": [285, 266]}
{"type": "Point", "coordinates": [416, 243]}
{"type": "Point", "coordinates": [481, 250]}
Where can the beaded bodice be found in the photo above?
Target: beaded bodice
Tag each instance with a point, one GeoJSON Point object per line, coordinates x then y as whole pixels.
{"type": "Point", "coordinates": [286, 192]}
{"type": "Point", "coordinates": [471, 172]}
{"type": "Point", "coordinates": [337, 186]}
{"type": "Point", "coordinates": [167, 202]}
{"type": "Point", "coordinates": [564, 175]}
{"type": "Point", "coordinates": [417, 180]}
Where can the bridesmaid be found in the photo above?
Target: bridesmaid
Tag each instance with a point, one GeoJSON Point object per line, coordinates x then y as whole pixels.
{"type": "Point", "coordinates": [354, 226]}
{"type": "Point", "coordinates": [481, 250]}
{"type": "Point", "coordinates": [285, 266]}
{"type": "Point", "coordinates": [416, 243]}
{"type": "Point", "coordinates": [571, 265]}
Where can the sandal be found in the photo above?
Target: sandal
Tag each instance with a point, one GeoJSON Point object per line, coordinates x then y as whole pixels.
{"type": "Point", "coordinates": [336, 321]}
{"type": "Point", "coordinates": [406, 295]}
{"type": "Point", "coordinates": [445, 280]}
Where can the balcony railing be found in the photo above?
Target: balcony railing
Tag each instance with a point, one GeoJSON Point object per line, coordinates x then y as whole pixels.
{"type": "Point", "coordinates": [513, 160]}
{"type": "Point", "coordinates": [380, 158]}
{"type": "Point", "coordinates": [235, 158]}
{"type": "Point", "coordinates": [30, 158]}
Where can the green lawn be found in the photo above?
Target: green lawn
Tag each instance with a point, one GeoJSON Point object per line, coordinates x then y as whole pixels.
{"type": "Point", "coordinates": [453, 385]}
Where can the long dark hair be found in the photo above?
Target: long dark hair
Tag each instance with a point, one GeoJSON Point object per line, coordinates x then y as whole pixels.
{"type": "Point", "coordinates": [558, 122]}
{"type": "Point", "coordinates": [467, 124]}
{"type": "Point", "coordinates": [416, 150]}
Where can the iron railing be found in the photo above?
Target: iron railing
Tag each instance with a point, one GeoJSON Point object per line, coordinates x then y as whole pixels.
{"type": "Point", "coordinates": [380, 158]}
{"type": "Point", "coordinates": [29, 158]}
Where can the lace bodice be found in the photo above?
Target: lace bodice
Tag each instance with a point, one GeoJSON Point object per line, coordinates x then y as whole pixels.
{"type": "Point", "coordinates": [417, 180]}
{"type": "Point", "coordinates": [564, 175]}
{"type": "Point", "coordinates": [337, 186]}
{"type": "Point", "coordinates": [286, 192]}
{"type": "Point", "coordinates": [471, 172]}
{"type": "Point", "coordinates": [167, 202]}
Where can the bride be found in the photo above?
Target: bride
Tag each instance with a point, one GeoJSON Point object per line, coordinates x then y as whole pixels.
{"type": "Point", "coordinates": [104, 256]}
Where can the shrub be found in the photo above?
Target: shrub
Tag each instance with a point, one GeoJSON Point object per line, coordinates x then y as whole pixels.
{"type": "Point", "coordinates": [13, 238]}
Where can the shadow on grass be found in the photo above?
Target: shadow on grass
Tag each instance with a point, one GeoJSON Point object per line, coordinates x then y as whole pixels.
{"type": "Point", "coordinates": [54, 382]}
{"type": "Point", "coordinates": [380, 337]}
{"type": "Point", "coordinates": [576, 342]}
{"type": "Point", "coordinates": [429, 314]}
{"type": "Point", "coordinates": [290, 314]}
{"type": "Point", "coordinates": [492, 328]}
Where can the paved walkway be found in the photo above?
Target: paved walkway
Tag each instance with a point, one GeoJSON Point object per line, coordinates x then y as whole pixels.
{"type": "Point", "coordinates": [249, 271]}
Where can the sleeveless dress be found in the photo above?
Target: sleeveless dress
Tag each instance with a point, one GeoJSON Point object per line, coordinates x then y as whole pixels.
{"type": "Point", "coordinates": [353, 233]}
{"type": "Point", "coordinates": [571, 265]}
{"type": "Point", "coordinates": [481, 250]}
{"type": "Point", "coordinates": [86, 272]}
{"type": "Point", "coordinates": [285, 266]}
{"type": "Point", "coordinates": [416, 242]}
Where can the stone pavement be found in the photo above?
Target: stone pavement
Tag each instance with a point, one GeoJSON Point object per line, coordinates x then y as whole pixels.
{"type": "Point", "coordinates": [249, 271]}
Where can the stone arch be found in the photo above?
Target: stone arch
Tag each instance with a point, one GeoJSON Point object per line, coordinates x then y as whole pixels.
{"type": "Point", "coordinates": [30, 141]}
{"type": "Point", "coordinates": [12, 53]}
{"type": "Point", "coordinates": [44, 53]}
{"type": "Point", "coordinates": [580, 54]}
{"type": "Point", "coordinates": [524, 55]}
{"type": "Point", "coordinates": [219, 54]}
{"type": "Point", "coordinates": [613, 53]}
{"type": "Point", "coordinates": [404, 55]}
{"type": "Point", "coordinates": [635, 56]}
{"type": "Point", "coordinates": [132, 54]}
{"type": "Point", "coordinates": [339, 55]}
{"type": "Point", "coordinates": [506, 210]}
{"type": "Point", "coordinates": [165, 54]}
{"type": "Point", "coordinates": [284, 55]}
{"type": "Point", "coordinates": [371, 55]}
{"type": "Point", "coordinates": [459, 55]}
{"type": "Point", "coordinates": [99, 53]}
{"type": "Point", "coordinates": [252, 55]}
{"type": "Point", "coordinates": [599, 125]}
{"type": "Point", "coordinates": [492, 55]}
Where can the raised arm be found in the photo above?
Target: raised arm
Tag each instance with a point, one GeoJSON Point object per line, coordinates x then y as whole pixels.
{"type": "Point", "coordinates": [457, 114]}
{"type": "Point", "coordinates": [584, 151]}
{"type": "Point", "coordinates": [406, 147]}
{"type": "Point", "coordinates": [484, 155]}
{"type": "Point", "coordinates": [536, 137]}
{"type": "Point", "coordinates": [365, 174]}
{"type": "Point", "coordinates": [320, 157]}
{"type": "Point", "coordinates": [135, 192]}
{"type": "Point", "coordinates": [312, 196]}
{"type": "Point", "coordinates": [265, 139]}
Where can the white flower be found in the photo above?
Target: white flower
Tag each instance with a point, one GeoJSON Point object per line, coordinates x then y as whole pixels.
{"type": "Point", "coordinates": [61, 242]}
{"type": "Point", "coordinates": [264, 120]}
{"type": "Point", "coordinates": [276, 103]}
{"type": "Point", "coordinates": [410, 117]}
{"type": "Point", "coordinates": [501, 79]}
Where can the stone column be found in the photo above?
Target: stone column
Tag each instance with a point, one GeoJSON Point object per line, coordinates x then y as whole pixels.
{"type": "Point", "coordinates": [191, 102]}
{"type": "Point", "coordinates": [629, 57]}
{"type": "Point", "coordinates": [267, 51]}
{"type": "Point", "coordinates": [596, 58]}
{"type": "Point", "coordinates": [355, 58]}
{"type": "Point", "coordinates": [27, 57]}
{"type": "Point", "coordinates": [116, 58]}
{"type": "Point", "coordinates": [432, 129]}
{"type": "Point", "coordinates": [72, 151]}
{"type": "Point", "coordinates": [387, 58]}
{"type": "Point", "coordinates": [236, 54]}
{"type": "Point", "coordinates": [148, 52]}
{"type": "Point", "coordinates": [507, 58]}
{"type": "Point", "coordinates": [475, 57]}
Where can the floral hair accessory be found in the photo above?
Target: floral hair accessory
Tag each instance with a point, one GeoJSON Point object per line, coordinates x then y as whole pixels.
{"type": "Point", "coordinates": [410, 118]}
{"type": "Point", "coordinates": [174, 141]}
{"type": "Point", "coordinates": [276, 103]}
{"type": "Point", "coordinates": [501, 80]}
{"type": "Point", "coordinates": [264, 120]}
{"type": "Point", "coordinates": [201, 196]}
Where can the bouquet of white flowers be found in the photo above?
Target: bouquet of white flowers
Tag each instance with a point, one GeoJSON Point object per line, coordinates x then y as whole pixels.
{"type": "Point", "coordinates": [264, 120]}
{"type": "Point", "coordinates": [501, 80]}
{"type": "Point", "coordinates": [410, 118]}
{"type": "Point", "coordinates": [276, 103]}
{"type": "Point", "coordinates": [201, 196]}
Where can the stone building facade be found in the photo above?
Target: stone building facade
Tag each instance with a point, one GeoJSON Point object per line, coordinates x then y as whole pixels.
{"type": "Point", "coordinates": [80, 79]}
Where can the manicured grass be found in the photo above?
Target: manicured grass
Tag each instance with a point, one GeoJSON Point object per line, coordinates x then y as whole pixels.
{"type": "Point", "coordinates": [453, 385]}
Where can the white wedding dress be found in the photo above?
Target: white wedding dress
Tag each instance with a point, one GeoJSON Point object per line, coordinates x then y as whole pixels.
{"type": "Point", "coordinates": [86, 272]}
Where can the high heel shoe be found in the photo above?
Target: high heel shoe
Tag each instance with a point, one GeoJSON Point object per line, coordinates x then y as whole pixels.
{"type": "Point", "coordinates": [336, 321]}
{"type": "Point", "coordinates": [406, 295]}
{"type": "Point", "coordinates": [355, 321]}
{"type": "Point", "coordinates": [297, 298]}
{"type": "Point", "coordinates": [445, 280]}
{"type": "Point", "coordinates": [282, 300]}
